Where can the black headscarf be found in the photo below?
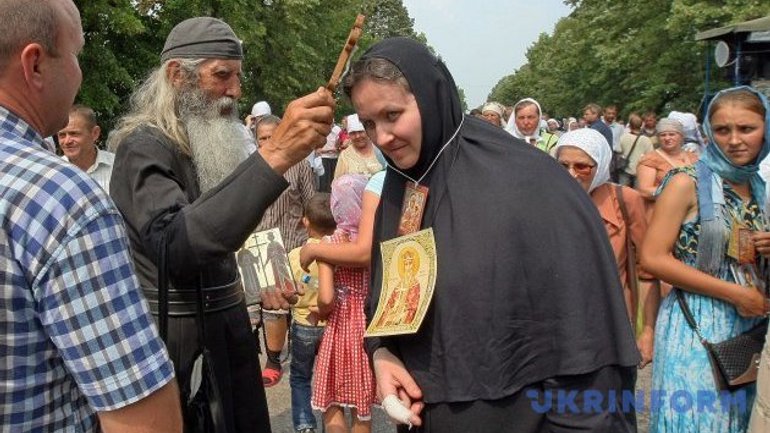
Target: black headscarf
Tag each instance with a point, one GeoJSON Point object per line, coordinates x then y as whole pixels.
{"type": "Point", "coordinates": [527, 285]}
{"type": "Point", "coordinates": [433, 88]}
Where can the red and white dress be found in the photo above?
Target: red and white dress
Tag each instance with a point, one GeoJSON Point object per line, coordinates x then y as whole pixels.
{"type": "Point", "coordinates": [343, 376]}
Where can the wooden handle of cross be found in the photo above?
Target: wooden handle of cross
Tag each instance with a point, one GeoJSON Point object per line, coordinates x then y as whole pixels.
{"type": "Point", "coordinates": [347, 50]}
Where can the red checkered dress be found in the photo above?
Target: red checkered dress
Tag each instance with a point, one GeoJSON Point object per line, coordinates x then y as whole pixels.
{"type": "Point", "coordinates": [342, 373]}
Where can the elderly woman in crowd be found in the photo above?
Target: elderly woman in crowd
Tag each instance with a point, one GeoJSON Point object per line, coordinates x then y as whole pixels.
{"type": "Point", "coordinates": [654, 165]}
{"type": "Point", "coordinates": [494, 113]}
{"type": "Point", "coordinates": [360, 157]}
{"type": "Point", "coordinates": [699, 209]}
{"type": "Point", "coordinates": [513, 313]}
{"type": "Point", "coordinates": [586, 154]}
{"type": "Point", "coordinates": [693, 140]}
{"type": "Point", "coordinates": [554, 127]}
{"type": "Point", "coordinates": [525, 124]}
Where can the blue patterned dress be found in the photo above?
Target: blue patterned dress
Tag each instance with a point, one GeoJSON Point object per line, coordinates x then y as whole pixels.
{"type": "Point", "coordinates": [680, 364]}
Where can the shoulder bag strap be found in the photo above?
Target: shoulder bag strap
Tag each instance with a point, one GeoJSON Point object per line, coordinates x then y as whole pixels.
{"type": "Point", "coordinates": [664, 156]}
{"type": "Point", "coordinates": [688, 315]}
{"type": "Point", "coordinates": [631, 255]}
{"type": "Point", "coordinates": [633, 146]}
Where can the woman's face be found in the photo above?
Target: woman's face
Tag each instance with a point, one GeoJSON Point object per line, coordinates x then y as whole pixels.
{"type": "Point", "coordinates": [580, 166]}
{"type": "Point", "coordinates": [265, 132]}
{"type": "Point", "coordinates": [670, 141]}
{"type": "Point", "coordinates": [739, 132]}
{"type": "Point", "coordinates": [359, 139]}
{"type": "Point", "coordinates": [392, 120]}
{"type": "Point", "coordinates": [527, 119]}
{"type": "Point", "coordinates": [491, 117]}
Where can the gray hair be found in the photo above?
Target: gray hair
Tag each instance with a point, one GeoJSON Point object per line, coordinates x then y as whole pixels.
{"type": "Point", "coordinates": [26, 22]}
{"type": "Point", "coordinates": [154, 104]}
{"type": "Point", "coordinates": [268, 119]}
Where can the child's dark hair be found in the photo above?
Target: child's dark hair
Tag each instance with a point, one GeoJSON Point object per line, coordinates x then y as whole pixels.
{"type": "Point", "coordinates": [318, 211]}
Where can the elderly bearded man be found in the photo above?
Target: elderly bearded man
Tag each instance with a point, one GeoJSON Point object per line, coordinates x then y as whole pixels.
{"type": "Point", "coordinates": [184, 182]}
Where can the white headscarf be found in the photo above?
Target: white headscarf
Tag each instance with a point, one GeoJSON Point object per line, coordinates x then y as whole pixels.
{"type": "Point", "coordinates": [496, 108]}
{"type": "Point", "coordinates": [514, 130]}
{"type": "Point", "coordinates": [354, 124]}
{"type": "Point", "coordinates": [595, 145]}
{"type": "Point", "coordinates": [690, 129]}
{"type": "Point", "coordinates": [261, 108]}
{"type": "Point", "coordinates": [689, 124]}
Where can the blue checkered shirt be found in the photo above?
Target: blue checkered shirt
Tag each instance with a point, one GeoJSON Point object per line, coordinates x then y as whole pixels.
{"type": "Point", "coordinates": [76, 335]}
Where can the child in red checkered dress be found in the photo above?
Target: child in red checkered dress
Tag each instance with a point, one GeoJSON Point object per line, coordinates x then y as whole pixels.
{"type": "Point", "coordinates": [343, 377]}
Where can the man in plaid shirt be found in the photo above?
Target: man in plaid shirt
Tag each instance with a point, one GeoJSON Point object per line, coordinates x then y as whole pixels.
{"type": "Point", "coordinates": [78, 347]}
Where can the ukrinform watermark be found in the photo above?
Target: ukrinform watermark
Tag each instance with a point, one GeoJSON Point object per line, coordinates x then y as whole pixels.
{"type": "Point", "coordinates": [595, 401]}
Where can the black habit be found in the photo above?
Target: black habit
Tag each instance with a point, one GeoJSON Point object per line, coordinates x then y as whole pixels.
{"type": "Point", "coordinates": [156, 189]}
{"type": "Point", "coordinates": [527, 286]}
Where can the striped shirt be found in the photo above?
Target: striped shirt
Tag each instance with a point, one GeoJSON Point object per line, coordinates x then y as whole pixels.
{"type": "Point", "coordinates": [76, 335]}
{"type": "Point", "coordinates": [286, 212]}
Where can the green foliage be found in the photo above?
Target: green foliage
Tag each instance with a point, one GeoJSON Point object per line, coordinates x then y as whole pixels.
{"type": "Point", "coordinates": [639, 55]}
{"type": "Point", "coordinates": [111, 29]}
{"type": "Point", "coordinates": [290, 46]}
{"type": "Point", "coordinates": [387, 18]}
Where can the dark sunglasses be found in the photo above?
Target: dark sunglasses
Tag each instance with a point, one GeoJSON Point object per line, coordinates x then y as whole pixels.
{"type": "Point", "coordinates": [579, 168]}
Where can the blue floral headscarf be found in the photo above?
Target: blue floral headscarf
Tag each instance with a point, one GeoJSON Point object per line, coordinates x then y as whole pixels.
{"type": "Point", "coordinates": [720, 164]}
{"type": "Point", "coordinates": [714, 166]}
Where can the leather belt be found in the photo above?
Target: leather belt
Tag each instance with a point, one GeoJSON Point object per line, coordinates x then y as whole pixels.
{"type": "Point", "coordinates": [183, 302]}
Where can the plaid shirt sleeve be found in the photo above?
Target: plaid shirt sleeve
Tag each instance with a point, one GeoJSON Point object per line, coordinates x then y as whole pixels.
{"type": "Point", "coordinates": [90, 305]}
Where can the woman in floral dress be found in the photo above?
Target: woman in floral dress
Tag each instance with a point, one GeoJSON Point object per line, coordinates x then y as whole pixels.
{"type": "Point", "coordinates": [687, 244]}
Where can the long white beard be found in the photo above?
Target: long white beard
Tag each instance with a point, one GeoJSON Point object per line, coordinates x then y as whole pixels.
{"type": "Point", "coordinates": [216, 140]}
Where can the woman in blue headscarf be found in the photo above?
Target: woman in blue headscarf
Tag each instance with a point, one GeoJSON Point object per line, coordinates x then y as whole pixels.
{"type": "Point", "coordinates": [688, 243]}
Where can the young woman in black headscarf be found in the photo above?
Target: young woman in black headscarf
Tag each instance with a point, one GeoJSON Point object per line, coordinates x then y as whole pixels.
{"type": "Point", "coordinates": [527, 299]}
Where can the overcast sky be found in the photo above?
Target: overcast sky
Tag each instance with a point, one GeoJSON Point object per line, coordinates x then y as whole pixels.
{"type": "Point", "coordinates": [481, 41]}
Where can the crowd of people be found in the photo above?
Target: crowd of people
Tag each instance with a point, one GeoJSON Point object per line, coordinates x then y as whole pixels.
{"type": "Point", "coordinates": [569, 253]}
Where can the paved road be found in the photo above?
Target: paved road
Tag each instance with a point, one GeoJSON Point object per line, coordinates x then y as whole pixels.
{"type": "Point", "coordinates": [279, 402]}
{"type": "Point", "coordinates": [644, 382]}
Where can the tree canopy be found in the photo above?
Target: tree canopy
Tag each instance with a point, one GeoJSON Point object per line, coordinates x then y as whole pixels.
{"type": "Point", "coordinates": [290, 46]}
{"type": "Point", "coordinates": [638, 55]}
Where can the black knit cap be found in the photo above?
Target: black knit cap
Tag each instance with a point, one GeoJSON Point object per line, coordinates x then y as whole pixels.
{"type": "Point", "coordinates": [202, 38]}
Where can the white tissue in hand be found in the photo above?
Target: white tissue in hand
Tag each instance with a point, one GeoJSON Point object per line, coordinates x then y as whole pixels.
{"type": "Point", "coordinates": [396, 410]}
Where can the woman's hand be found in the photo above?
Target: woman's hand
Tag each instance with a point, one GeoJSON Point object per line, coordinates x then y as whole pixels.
{"type": "Point", "coordinates": [762, 242]}
{"type": "Point", "coordinates": [751, 303]}
{"type": "Point", "coordinates": [393, 379]}
{"type": "Point", "coordinates": [645, 345]}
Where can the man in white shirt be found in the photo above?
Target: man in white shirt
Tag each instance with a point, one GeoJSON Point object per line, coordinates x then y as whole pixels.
{"type": "Point", "coordinates": [78, 144]}
{"type": "Point", "coordinates": [610, 114]}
